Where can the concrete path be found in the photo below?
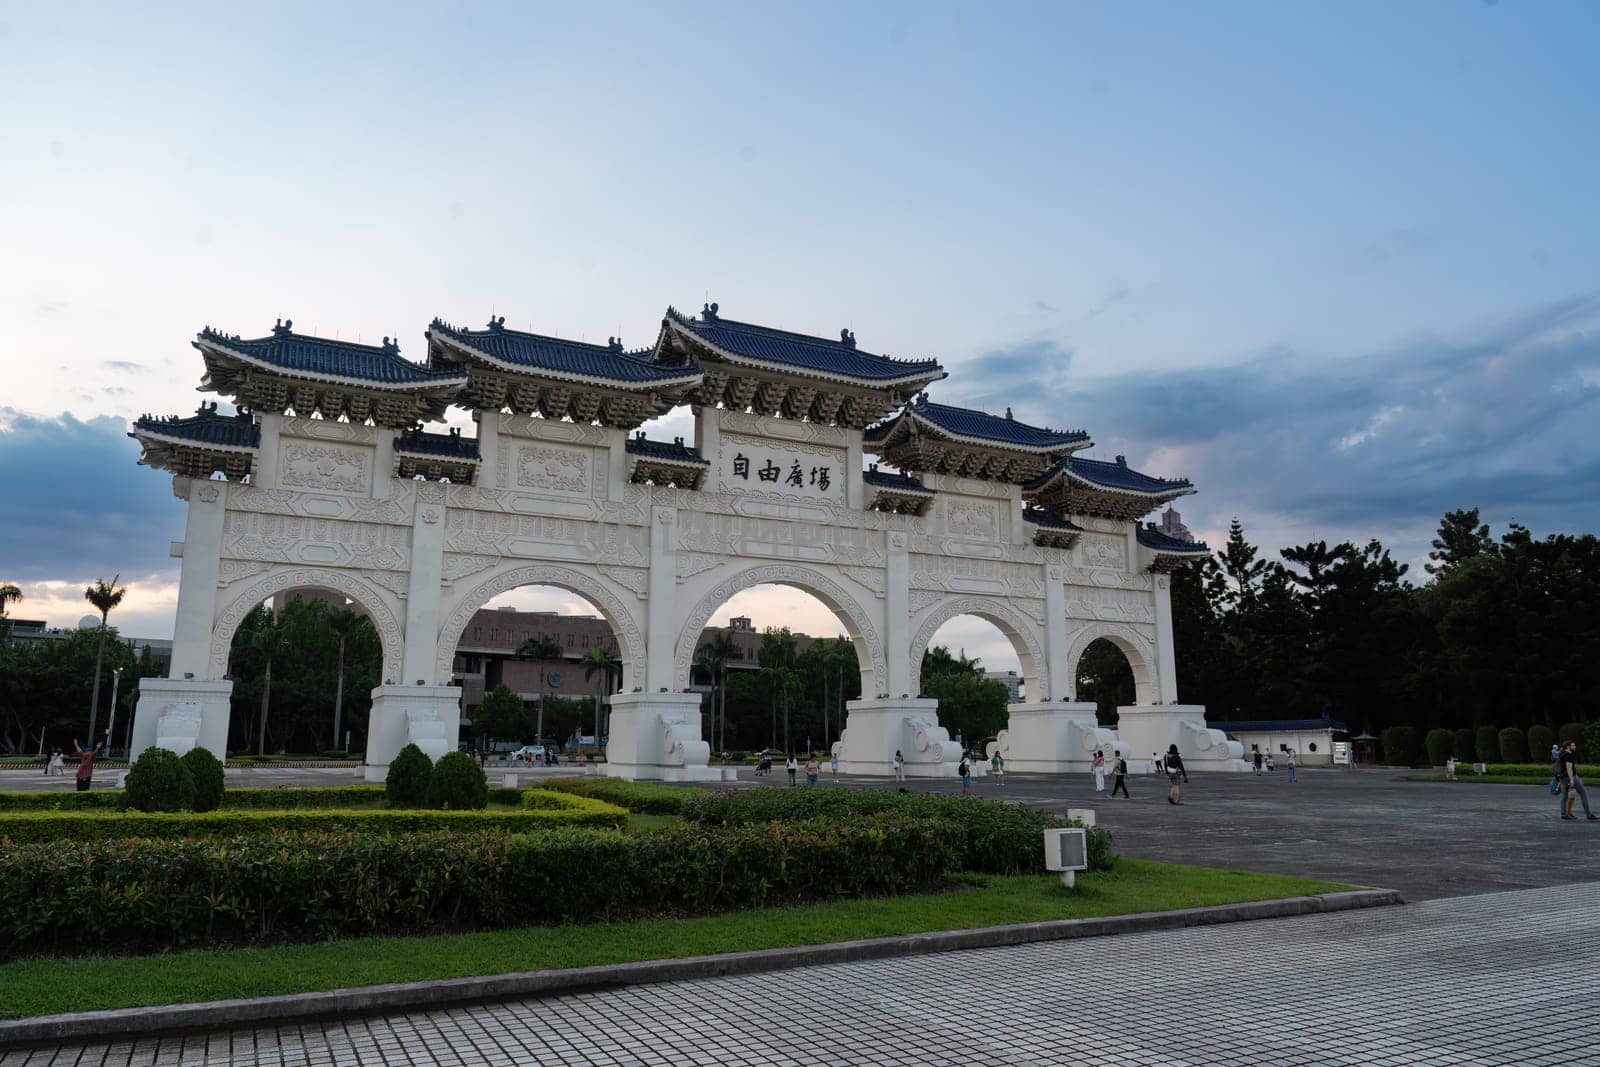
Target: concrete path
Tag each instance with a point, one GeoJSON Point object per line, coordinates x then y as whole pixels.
{"type": "Point", "coordinates": [1495, 979]}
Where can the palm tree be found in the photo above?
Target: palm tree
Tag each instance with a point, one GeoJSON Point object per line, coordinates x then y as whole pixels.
{"type": "Point", "coordinates": [543, 648]}
{"type": "Point", "coordinates": [104, 596]}
{"type": "Point", "coordinates": [603, 663]}
{"type": "Point", "coordinates": [269, 640]}
{"type": "Point", "coordinates": [341, 622]}
{"type": "Point", "coordinates": [8, 594]}
{"type": "Point", "coordinates": [715, 655]}
{"type": "Point", "coordinates": [777, 664]}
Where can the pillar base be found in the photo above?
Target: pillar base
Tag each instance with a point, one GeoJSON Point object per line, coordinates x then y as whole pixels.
{"type": "Point", "coordinates": [180, 714]}
{"type": "Point", "coordinates": [1053, 737]}
{"type": "Point", "coordinates": [427, 715]}
{"type": "Point", "coordinates": [1150, 729]}
{"type": "Point", "coordinates": [875, 729]}
{"type": "Point", "coordinates": [656, 737]}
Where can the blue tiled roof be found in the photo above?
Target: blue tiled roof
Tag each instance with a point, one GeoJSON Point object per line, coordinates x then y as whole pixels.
{"type": "Point", "coordinates": [1116, 476]}
{"type": "Point", "coordinates": [452, 445]}
{"type": "Point", "coordinates": [1152, 538]}
{"type": "Point", "coordinates": [205, 427]}
{"type": "Point", "coordinates": [676, 451]}
{"type": "Point", "coordinates": [890, 480]}
{"type": "Point", "coordinates": [1049, 520]}
{"type": "Point", "coordinates": [839, 358]}
{"type": "Point", "coordinates": [538, 352]}
{"type": "Point", "coordinates": [1278, 726]}
{"type": "Point", "coordinates": [969, 422]}
{"type": "Point", "coordinates": [300, 355]}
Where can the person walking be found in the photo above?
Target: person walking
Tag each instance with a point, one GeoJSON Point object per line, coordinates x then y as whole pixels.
{"type": "Point", "coordinates": [1155, 764]}
{"type": "Point", "coordinates": [1450, 768]}
{"type": "Point", "coordinates": [56, 767]}
{"type": "Point", "coordinates": [1572, 788]}
{"type": "Point", "coordinates": [813, 768]}
{"type": "Point", "coordinates": [899, 766]}
{"type": "Point", "coordinates": [1555, 769]}
{"type": "Point", "coordinates": [793, 767]}
{"type": "Point", "coordinates": [1175, 773]}
{"type": "Point", "coordinates": [1294, 763]}
{"type": "Point", "coordinates": [835, 762]}
{"type": "Point", "coordinates": [997, 764]}
{"type": "Point", "coordinates": [86, 764]}
{"type": "Point", "coordinates": [1099, 769]}
{"type": "Point", "coordinates": [1121, 779]}
{"type": "Point", "coordinates": [1255, 757]}
{"type": "Point", "coordinates": [966, 776]}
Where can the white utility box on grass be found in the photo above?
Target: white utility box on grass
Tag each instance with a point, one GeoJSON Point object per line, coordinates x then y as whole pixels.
{"type": "Point", "coordinates": [1066, 850]}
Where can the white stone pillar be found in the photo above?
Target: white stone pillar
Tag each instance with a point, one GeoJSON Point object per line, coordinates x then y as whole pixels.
{"type": "Point", "coordinates": [1059, 683]}
{"type": "Point", "coordinates": [197, 579]}
{"type": "Point", "coordinates": [383, 465]}
{"type": "Point", "coordinates": [708, 437]}
{"type": "Point", "coordinates": [264, 472]}
{"type": "Point", "coordinates": [1166, 656]}
{"type": "Point", "coordinates": [488, 448]}
{"type": "Point", "coordinates": [903, 679]}
{"type": "Point", "coordinates": [617, 465]}
{"type": "Point", "coordinates": [855, 488]}
{"type": "Point", "coordinates": [661, 636]}
{"type": "Point", "coordinates": [421, 652]}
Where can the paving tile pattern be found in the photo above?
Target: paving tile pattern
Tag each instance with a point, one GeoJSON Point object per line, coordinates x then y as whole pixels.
{"type": "Point", "coordinates": [1502, 978]}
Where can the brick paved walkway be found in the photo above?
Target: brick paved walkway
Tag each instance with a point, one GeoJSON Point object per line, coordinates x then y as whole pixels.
{"type": "Point", "coordinates": [1502, 978]}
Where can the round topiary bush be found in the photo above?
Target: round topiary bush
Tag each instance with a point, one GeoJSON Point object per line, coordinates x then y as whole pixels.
{"type": "Point", "coordinates": [1466, 744]}
{"type": "Point", "coordinates": [206, 770]}
{"type": "Point", "coordinates": [407, 783]}
{"type": "Point", "coordinates": [1441, 745]}
{"type": "Point", "coordinates": [1540, 738]}
{"type": "Point", "coordinates": [159, 781]}
{"type": "Point", "coordinates": [1486, 746]}
{"type": "Point", "coordinates": [1572, 731]}
{"type": "Point", "coordinates": [457, 783]}
{"type": "Point", "coordinates": [1513, 745]}
{"type": "Point", "coordinates": [1401, 746]}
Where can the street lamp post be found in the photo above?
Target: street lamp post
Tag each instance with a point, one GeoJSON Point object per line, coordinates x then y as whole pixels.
{"type": "Point", "coordinates": [111, 726]}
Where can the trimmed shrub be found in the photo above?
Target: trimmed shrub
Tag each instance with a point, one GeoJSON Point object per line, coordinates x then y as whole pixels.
{"type": "Point", "coordinates": [26, 826]}
{"type": "Point", "coordinates": [458, 784]}
{"type": "Point", "coordinates": [1538, 772]}
{"type": "Point", "coordinates": [206, 770]}
{"type": "Point", "coordinates": [81, 896]}
{"type": "Point", "coordinates": [1513, 745]}
{"type": "Point", "coordinates": [1401, 746]}
{"type": "Point", "coordinates": [159, 781]}
{"type": "Point", "coordinates": [547, 800]}
{"type": "Point", "coordinates": [1540, 738]}
{"type": "Point", "coordinates": [1441, 745]}
{"type": "Point", "coordinates": [1486, 746]}
{"type": "Point", "coordinates": [1466, 745]}
{"type": "Point", "coordinates": [647, 798]}
{"type": "Point", "coordinates": [282, 798]}
{"type": "Point", "coordinates": [991, 838]}
{"type": "Point", "coordinates": [1589, 746]}
{"type": "Point", "coordinates": [407, 782]}
{"type": "Point", "coordinates": [1572, 731]}
{"type": "Point", "coordinates": [98, 800]}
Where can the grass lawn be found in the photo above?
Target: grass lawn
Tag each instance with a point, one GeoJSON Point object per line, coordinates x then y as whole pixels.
{"type": "Point", "coordinates": [45, 986]}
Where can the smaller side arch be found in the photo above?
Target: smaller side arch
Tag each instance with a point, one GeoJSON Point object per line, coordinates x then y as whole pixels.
{"type": "Point", "coordinates": [370, 600]}
{"type": "Point", "coordinates": [629, 633]}
{"type": "Point", "coordinates": [1021, 631]}
{"type": "Point", "coordinates": [1139, 650]}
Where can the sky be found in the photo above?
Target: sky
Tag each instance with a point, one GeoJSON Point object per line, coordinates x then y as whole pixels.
{"type": "Point", "coordinates": [1338, 264]}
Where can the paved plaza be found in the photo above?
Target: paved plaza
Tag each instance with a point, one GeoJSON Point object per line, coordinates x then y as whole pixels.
{"type": "Point", "coordinates": [1503, 978]}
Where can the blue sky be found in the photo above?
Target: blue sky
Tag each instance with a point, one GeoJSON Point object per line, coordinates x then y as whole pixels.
{"type": "Point", "coordinates": [1336, 263]}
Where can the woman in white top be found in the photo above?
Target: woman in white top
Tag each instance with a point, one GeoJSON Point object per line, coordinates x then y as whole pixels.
{"type": "Point", "coordinates": [1099, 771]}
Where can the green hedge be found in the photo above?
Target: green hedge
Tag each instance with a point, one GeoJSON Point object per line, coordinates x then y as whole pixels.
{"type": "Point", "coordinates": [1587, 771]}
{"type": "Point", "coordinates": [991, 838]}
{"type": "Point", "coordinates": [1513, 745]}
{"type": "Point", "coordinates": [646, 798]}
{"type": "Point", "coordinates": [458, 784]}
{"type": "Point", "coordinates": [28, 826]}
{"type": "Point", "coordinates": [1486, 746]}
{"type": "Point", "coordinates": [1401, 746]}
{"type": "Point", "coordinates": [328, 796]}
{"type": "Point", "coordinates": [206, 770]}
{"type": "Point", "coordinates": [1466, 746]}
{"type": "Point", "coordinates": [91, 896]}
{"type": "Point", "coordinates": [1540, 738]}
{"type": "Point", "coordinates": [1440, 744]}
{"type": "Point", "coordinates": [407, 780]}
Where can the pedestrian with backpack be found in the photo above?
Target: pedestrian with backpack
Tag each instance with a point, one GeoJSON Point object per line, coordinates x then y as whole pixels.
{"type": "Point", "coordinates": [1120, 781]}
{"type": "Point", "coordinates": [966, 776]}
{"type": "Point", "coordinates": [1175, 773]}
{"type": "Point", "coordinates": [1572, 788]}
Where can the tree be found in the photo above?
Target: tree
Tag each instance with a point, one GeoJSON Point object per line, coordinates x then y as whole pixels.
{"type": "Point", "coordinates": [544, 648]}
{"type": "Point", "coordinates": [9, 594]}
{"type": "Point", "coordinates": [1461, 537]}
{"type": "Point", "coordinates": [608, 667]}
{"type": "Point", "coordinates": [714, 656]}
{"type": "Point", "coordinates": [1106, 678]}
{"type": "Point", "coordinates": [777, 657]}
{"type": "Point", "coordinates": [340, 622]}
{"type": "Point", "coordinates": [501, 716]}
{"type": "Point", "coordinates": [268, 640]}
{"type": "Point", "coordinates": [105, 596]}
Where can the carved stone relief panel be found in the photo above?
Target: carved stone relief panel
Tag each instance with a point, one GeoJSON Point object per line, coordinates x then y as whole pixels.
{"type": "Point", "coordinates": [960, 575]}
{"type": "Point", "coordinates": [329, 430]}
{"type": "Point", "coordinates": [552, 468]}
{"type": "Point", "coordinates": [551, 430]}
{"type": "Point", "coordinates": [545, 537]}
{"type": "Point", "coordinates": [329, 542]}
{"type": "Point", "coordinates": [743, 422]}
{"type": "Point", "coordinates": [975, 519]}
{"type": "Point", "coordinates": [779, 538]}
{"type": "Point", "coordinates": [460, 565]}
{"type": "Point", "coordinates": [1108, 579]}
{"type": "Point", "coordinates": [1097, 550]}
{"type": "Point", "coordinates": [340, 468]}
{"type": "Point", "coordinates": [396, 510]}
{"type": "Point", "coordinates": [1112, 605]}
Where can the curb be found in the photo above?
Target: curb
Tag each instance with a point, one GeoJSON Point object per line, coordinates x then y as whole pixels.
{"type": "Point", "coordinates": [368, 1000]}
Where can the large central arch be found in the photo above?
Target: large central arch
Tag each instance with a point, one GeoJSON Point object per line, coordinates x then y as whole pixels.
{"type": "Point", "coordinates": [629, 632]}
{"type": "Point", "coordinates": [1021, 631]}
{"type": "Point", "coordinates": [863, 634]}
{"type": "Point", "coordinates": [1139, 650]}
{"type": "Point", "coordinates": [365, 596]}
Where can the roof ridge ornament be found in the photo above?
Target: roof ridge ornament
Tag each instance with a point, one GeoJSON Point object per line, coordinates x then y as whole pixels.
{"type": "Point", "coordinates": [614, 344]}
{"type": "Point", "coordinates": [1008, 414]}
{"type": "Point", "coordinates": [847, 338]}
{"type": "Point", "coordinates": [283, 327]}
{"type": "Point", "coordinates": [497, 323]}
{"type": "Point", "coordinates": [708, 312]}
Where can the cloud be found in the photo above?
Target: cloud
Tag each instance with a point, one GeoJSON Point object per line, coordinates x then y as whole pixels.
{"type": "Point", "coordinates": [1374, 445]}
{"type": "Point", "coordinates": [122, 365]}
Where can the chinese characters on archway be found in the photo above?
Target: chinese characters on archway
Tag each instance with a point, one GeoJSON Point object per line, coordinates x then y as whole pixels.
{"type": "Point", "coordinates": [798, 474]}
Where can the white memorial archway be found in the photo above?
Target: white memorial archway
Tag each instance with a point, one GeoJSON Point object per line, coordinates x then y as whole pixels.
{"type": "Point", "coordinates": [327, 481]}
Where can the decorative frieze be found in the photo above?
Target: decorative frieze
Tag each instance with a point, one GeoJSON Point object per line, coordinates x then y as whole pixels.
{"type": "Point", "coordinates": [327, 542]}
{"type": "Point", "coordinates": [334, 467]}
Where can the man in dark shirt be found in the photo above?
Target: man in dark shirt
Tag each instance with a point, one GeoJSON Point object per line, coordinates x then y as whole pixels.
{"type": "Point", "coordinates": [1572, 784]}
{"type": "Point", "coordinates": [86, 765]}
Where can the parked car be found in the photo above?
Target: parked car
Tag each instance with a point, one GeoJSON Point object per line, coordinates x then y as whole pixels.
{"type": "Point", "coordinates": [528, 754]}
